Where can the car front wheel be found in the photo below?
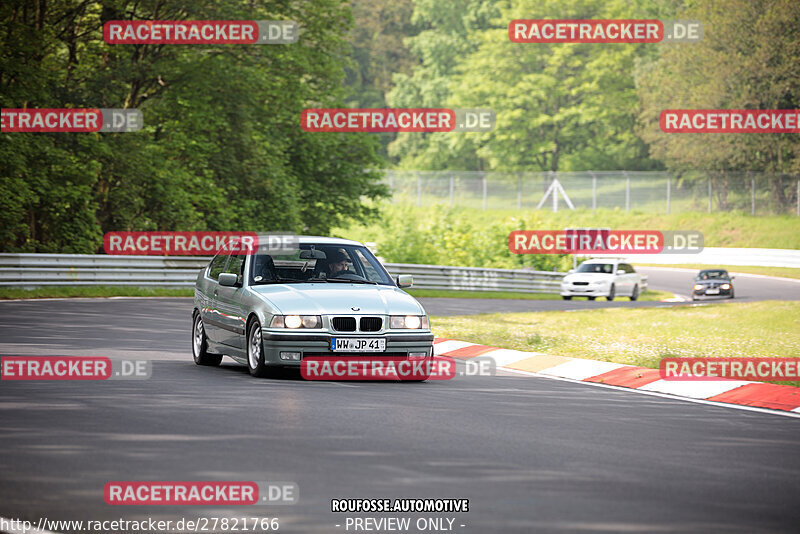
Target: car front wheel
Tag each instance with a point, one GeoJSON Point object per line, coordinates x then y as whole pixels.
{"type": "Point", "coordinates": [611, 293]}
{"type": "Point", "coordinates": [200, 345]}
{"type": "Point", "coordinates": [255, 352]}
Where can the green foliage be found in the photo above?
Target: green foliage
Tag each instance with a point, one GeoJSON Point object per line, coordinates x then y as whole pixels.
{"type": "Point", "coordinates": [441, 235]}
{"type": "Point", "coordinates": [222, 147]}
{"type": "Point", "coordinates": [559, 106]}
{"type": "Point", "coordinates": [749, 58]}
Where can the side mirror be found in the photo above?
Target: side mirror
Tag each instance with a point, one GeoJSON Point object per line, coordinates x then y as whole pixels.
{"type": "Point", "coordinates": [732, 277]}
{"type": "Point", "coordinates": [405, 280]}
{"type": "Point", "coordinates": [621, 271]}
{"type": "Point", "coordinates": [228, 279]}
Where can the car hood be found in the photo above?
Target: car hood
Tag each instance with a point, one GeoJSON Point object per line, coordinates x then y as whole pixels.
{"type": "Point", "coordinates": [588, 277]}
{"type": "Point", "coordinates": [338, 298]}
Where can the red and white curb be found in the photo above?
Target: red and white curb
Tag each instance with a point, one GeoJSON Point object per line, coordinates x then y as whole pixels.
{"type": "Point", "coordinates": [757, 396]}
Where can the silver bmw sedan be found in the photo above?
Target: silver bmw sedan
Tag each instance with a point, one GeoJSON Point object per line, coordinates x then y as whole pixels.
{"type": "Point", "coordinates": [270, 309]}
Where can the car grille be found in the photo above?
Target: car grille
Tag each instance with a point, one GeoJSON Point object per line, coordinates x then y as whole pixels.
{"type": "Point", "coordinates": [344, 324]}
{"type": "Point", "coordinates": [371, 324]}
{"type": "Point", "coordinates": [580, 283]}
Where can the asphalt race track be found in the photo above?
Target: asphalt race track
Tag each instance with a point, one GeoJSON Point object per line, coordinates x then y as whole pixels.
{"type": "Point", "coordinates": [531, 454]}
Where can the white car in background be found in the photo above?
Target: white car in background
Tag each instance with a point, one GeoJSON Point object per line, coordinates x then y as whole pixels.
{"type": "Point", "coordinates": [607, 278]}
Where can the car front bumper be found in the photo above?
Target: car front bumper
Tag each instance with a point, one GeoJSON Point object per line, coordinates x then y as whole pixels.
{"type": "Point", "coordinates": [319, 344]}
{"type": "Point", "coordinates": [701, 293]}
{"type": "Point", "coordinates": [584, 291]}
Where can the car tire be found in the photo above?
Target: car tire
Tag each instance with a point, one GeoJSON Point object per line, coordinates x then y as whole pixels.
{"type": "Point", "coordinates": [566, 297]}
{"type": "Point", "coordinates": [611, 293]}
{"type": "Point", "coordinates": [591, 298]}
{"type": "Point", "coordinates": [200, 352]}
{"type": "Point", "coordinates": [255, 352]}
{"type": "Point", "coordinates": [731, 293]}
{"type": "Point", "coordinates": [635, 294]}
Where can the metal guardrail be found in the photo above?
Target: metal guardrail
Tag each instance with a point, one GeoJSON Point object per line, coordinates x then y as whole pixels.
{"type": "Point", "coordinates": [753, 257]}
{"type": "Point", "coordinates": [34, 270]}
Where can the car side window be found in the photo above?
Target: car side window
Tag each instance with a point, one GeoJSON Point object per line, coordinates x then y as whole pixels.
{"type": "Point", "coordinates": [236, 266]}
{"type": "Point", "coordinates": [628, 268]}
{"type": "Point", "coordinates": [217, 266]}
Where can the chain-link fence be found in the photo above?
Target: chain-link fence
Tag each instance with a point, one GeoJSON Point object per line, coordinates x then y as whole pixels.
{"type": "Point", "coordinates": [659, 192]}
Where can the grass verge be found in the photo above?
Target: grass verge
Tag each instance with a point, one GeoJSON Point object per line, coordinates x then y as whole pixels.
{"type": "Point", "coordinates": [91, 291]}
{"type": "Point", "coordinates": [640, 336]}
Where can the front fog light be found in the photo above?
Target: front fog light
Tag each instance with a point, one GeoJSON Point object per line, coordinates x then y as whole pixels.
{"type": "Point", "coordinates": [417, 354]}
{"type": "Point", "coordinates": [290, 356]}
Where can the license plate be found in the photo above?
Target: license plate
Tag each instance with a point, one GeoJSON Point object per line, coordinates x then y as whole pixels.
{"type": "Point", "coordinates": [712, 291]}
{"type": "Point", "coordinates": [358, 344]}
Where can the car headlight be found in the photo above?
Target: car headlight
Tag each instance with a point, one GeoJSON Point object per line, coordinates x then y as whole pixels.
{"type": "Point", "coordinates": [411, 322]}
{"type": "Point", "coordinates": [698, 286]}
{"type": "Point", "coordinates": [296, 321]}
{"type": "Point", "coordinates": [726, 286]}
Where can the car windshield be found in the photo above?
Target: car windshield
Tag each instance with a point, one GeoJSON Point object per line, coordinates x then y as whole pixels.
{"type": "Point", "coordinates": [713, 275]}
{"type": "Point", "coordinates": [606, 268]}
{"type": "Point", "coordinates": [324, 263]}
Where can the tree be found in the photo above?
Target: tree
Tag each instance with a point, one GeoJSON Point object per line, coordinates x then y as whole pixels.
{"type": "Point", "coordinates": [222, 147]}
{"type": "Point", "coordinates": [749, 58]}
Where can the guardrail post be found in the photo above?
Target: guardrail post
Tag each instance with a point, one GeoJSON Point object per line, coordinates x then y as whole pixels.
{"type": "Point", "coordinates": [594, 191]}
{"type": "Point", "coordinates": [709, 194]}
{"type": "Point", "coordinates": [752, 196]}
{"type": "Point", "coordinates": [419, 189]}
{"type": "Point", "coordinates": [519, 190]}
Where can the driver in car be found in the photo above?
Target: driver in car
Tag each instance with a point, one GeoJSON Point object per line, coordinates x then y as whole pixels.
{"type": "Point", "coordinates": [337, 264]}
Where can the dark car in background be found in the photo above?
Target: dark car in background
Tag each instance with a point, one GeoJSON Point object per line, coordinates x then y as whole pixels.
{"type": "Point", "coordinates": [712, 283]}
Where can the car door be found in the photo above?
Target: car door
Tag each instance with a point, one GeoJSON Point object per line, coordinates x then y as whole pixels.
{"type": "Point", "coordinates": [228, 304]}
{"type": "Point", "coordinates": [209, 289]}
{"type": "Point", "coordinates": [632, 277]}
